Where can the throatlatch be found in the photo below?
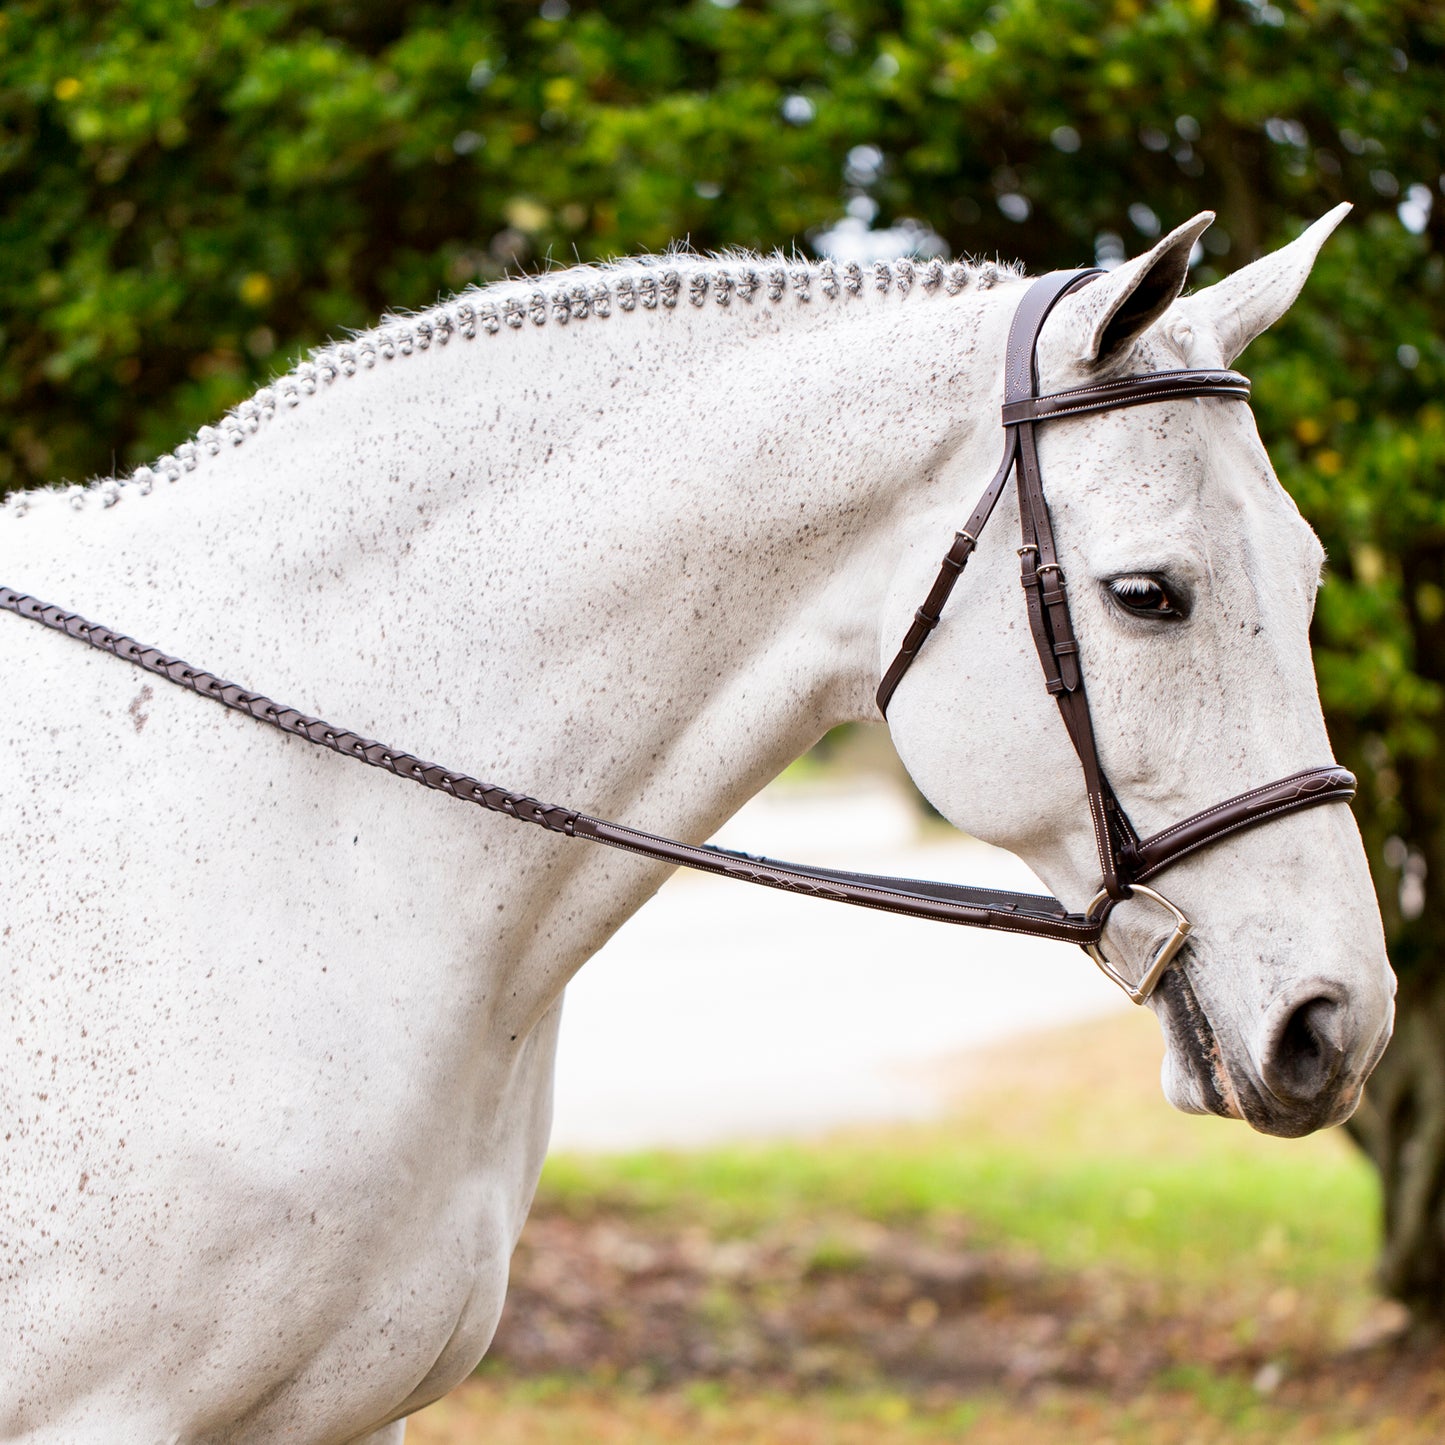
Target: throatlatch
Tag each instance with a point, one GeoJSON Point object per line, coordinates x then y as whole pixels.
{"type": "Point", "coordinates": [1125, 861]}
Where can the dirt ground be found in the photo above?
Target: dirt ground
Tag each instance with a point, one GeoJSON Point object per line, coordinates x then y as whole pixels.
{"type": "Point", "coordinates": [855, 1303]}
{"type": "Point", "coordinates": [636, 1313]}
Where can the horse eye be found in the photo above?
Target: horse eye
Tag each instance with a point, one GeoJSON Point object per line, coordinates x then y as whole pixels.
{"type": "Point", "coordinates": [1144, 597]}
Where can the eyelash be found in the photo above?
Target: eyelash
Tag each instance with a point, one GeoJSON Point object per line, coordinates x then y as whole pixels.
{"type": "Point", "coordinates": [1137, 592]}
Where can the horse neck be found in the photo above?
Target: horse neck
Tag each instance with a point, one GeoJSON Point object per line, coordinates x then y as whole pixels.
{"type": "Point", "coordinates": [635, 567]}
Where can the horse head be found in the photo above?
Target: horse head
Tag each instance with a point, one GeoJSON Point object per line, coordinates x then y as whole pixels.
{"type": "Point", "coordinates": [1191, 582]}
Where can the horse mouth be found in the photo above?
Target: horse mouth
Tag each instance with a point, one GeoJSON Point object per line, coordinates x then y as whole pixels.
{"type": "Point", "coordinates": [1196, 1080]}
{"type": "Point", "coordinates": [1199, 1081]}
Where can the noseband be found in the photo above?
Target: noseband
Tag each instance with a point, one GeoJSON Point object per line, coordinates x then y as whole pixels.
{"type": "Point", "coordinates": [1125, 860]}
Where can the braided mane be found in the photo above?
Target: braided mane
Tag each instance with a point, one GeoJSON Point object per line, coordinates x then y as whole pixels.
{"type": "Point", "coordinates": [559, 298]}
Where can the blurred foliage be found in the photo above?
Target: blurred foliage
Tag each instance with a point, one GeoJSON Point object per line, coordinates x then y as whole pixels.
{"type": "Point", "coordinates": [193, 192]}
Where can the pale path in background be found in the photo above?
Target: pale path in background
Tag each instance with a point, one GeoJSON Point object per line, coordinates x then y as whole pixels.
{"type": "Point", "coordinates": [720, 1012]}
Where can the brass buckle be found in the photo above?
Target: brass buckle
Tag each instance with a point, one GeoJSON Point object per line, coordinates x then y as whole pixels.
{"type": "Point", "coordinates": [1146, 985]}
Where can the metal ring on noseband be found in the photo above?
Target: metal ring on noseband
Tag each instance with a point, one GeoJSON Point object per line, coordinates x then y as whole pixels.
{"type": "Point", "coordinates": [1139, 992]}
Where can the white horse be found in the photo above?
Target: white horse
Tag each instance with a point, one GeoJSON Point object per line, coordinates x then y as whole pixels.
{"type": "Point", "coordinates": [279, 1032]}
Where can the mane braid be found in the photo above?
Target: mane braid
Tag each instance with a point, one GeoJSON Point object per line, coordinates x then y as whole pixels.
{"type": "Point", "coordinates": [576, 294]}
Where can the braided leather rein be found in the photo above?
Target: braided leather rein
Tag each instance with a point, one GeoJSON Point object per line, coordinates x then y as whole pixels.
{"type": "Point", "coordinates": [1125, 859]}
{"type": "Point", "coordinates": [942, 902]}
{"type": "Point", "coordinates": [288, 719]}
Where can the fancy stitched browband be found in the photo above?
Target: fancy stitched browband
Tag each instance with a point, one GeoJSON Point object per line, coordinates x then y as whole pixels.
{"type": "Point", "coordinates": [1125, 860]}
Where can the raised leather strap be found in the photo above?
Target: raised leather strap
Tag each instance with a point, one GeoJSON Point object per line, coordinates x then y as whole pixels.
{"type": "Point", "coordinates": [1019, 382]}
{"type": "Point", "coordinates": [1126, 391]}
{"type": "Point", "coordinates": [925, 619]}
{"type": "Point", "coordinates": [1306, 789]}
{"type": "Point", "coordinates": [1042, 575]}
{"type": "Point", "coordinates": [288, 720]}
{"type": "Point", "coordinates": [1039, 915]}
{"type": "Point", "coordinates": [1021, 357]}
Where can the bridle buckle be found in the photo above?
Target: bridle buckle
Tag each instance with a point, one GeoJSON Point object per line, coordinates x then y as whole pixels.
{"type": "Point", "coordinates": [1139, 992]}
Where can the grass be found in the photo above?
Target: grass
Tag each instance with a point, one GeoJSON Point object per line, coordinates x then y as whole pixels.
{"type": "Point", "coordinates": [1294, 1220]}
{"type": "Point", "coordinates": [1069, 1152]}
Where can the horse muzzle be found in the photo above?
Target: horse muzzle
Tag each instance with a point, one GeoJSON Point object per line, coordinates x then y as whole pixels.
{"type": "Point", "coordinates": [1304, 1070]}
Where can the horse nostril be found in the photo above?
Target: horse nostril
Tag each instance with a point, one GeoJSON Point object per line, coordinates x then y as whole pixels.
{"type": "Point", "coordinates": [1307, 1051]}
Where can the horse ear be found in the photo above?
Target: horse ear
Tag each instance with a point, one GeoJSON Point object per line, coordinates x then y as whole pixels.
{"type": "Point", "coordinates": [1238, 308]}
{"type": "Point", "coordinates": [1117, 308]}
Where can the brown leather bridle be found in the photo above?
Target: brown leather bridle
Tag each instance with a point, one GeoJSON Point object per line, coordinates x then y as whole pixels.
{"type": "Point", "coordinates": [1125, 860]}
